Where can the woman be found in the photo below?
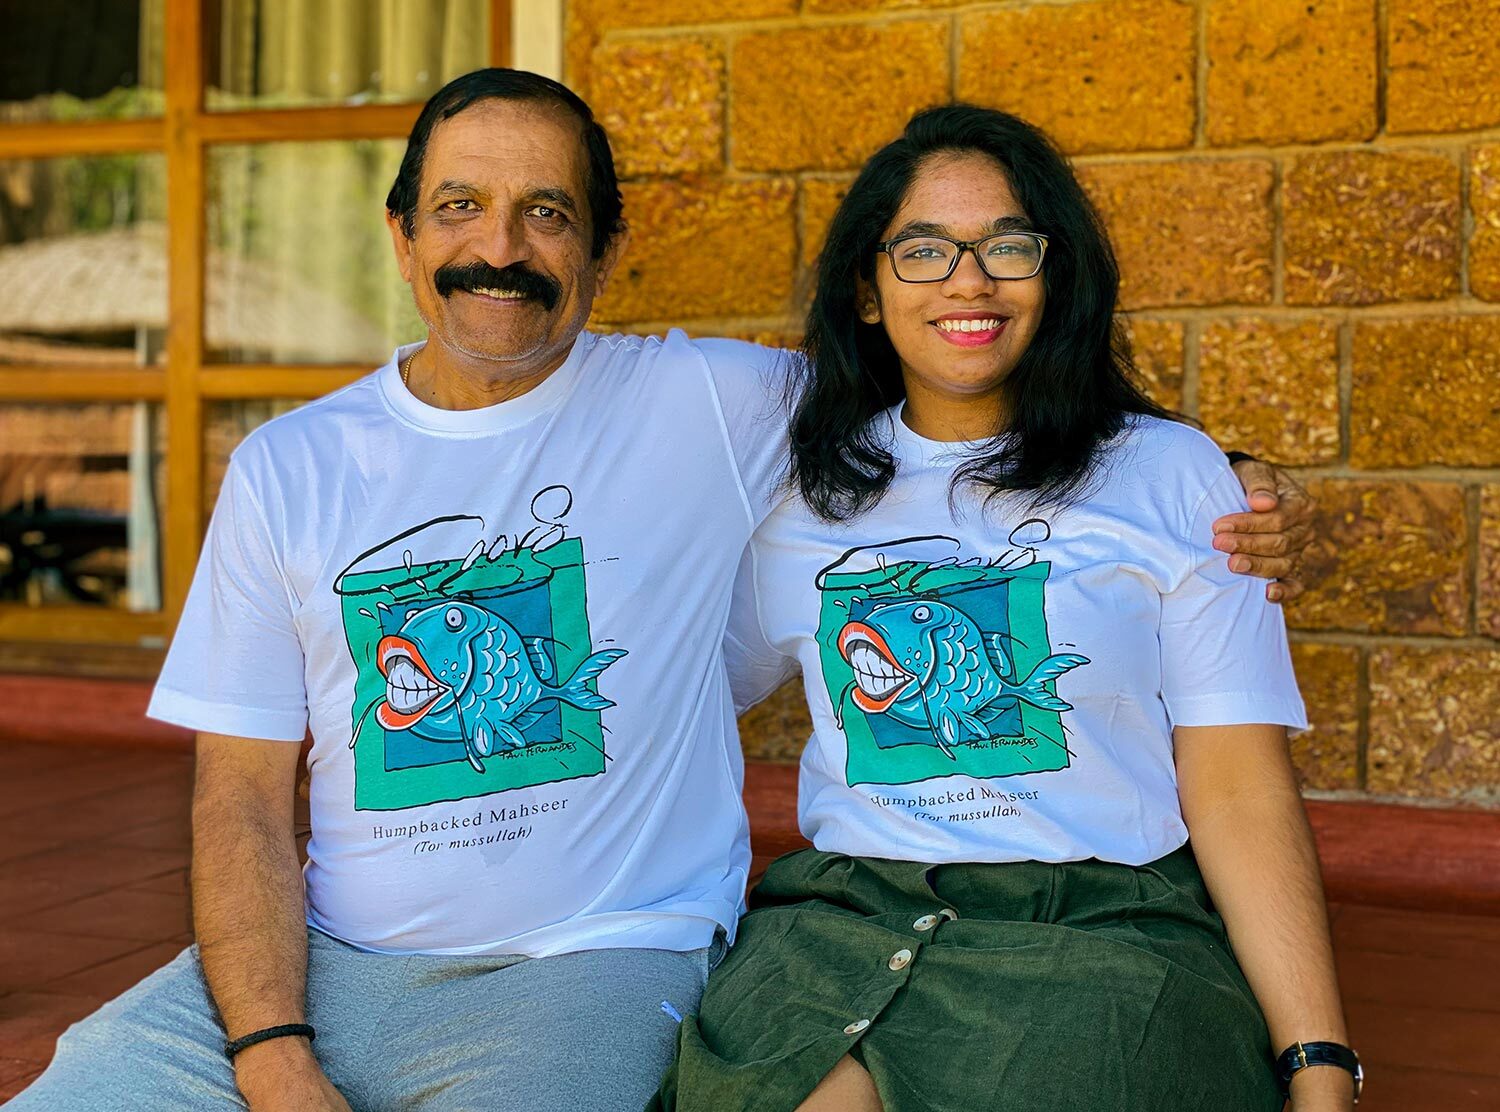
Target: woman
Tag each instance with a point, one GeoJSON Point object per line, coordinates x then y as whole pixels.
{"type": "Point", "coordinates": [1031, 679]}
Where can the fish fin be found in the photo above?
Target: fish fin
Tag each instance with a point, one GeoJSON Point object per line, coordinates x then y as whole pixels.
{"type": "Point", "coordinates": [539, 659]}
{"type": "Point", "coordinates": [471, 754]}
{"type": "Point", "coordinates": [1032, 689]}
{"type": "Point", "coordinates": [946, 731]}
{"type": "Point", "coordinates": [576, 691]}
{"type": "Point", "coordinates": [978, 731]}
{"type": "Point", "coordinates": [527, 718]}
{"type": "Point", "coordinates": [507, 737]}
{"type": "Point", "coordinates": [994, 647]}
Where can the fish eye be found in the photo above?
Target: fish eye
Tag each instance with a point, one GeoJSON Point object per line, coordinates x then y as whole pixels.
{"type": "Point", "coordinates": [454, 619]}
{"type": "Point", "coordinates": [921, 613]}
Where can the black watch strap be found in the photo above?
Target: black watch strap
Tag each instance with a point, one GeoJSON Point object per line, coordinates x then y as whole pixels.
{"type": "Point", "coordinates": [1301, 1055]}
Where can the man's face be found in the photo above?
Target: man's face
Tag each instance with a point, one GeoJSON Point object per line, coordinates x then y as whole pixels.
{"type": "Point", "coordinates": [499, 258]}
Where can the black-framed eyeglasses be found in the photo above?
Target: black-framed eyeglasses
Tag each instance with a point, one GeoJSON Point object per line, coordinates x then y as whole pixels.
{"type": "Point", "coordinates": [1006, 257]}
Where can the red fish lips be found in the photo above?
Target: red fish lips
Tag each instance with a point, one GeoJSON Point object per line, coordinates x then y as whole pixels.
{"type": "Point", "coordinates": [878, 679]}
{"type": "Point", "coordinates": [411, 690]}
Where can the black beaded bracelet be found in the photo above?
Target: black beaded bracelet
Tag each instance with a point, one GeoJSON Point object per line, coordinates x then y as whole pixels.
{"type": "Point", "coordinates": [265, 1034]}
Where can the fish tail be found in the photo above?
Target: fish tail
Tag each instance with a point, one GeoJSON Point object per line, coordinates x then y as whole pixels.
{"type": "Point", "coordinates": [1033, 690]}
{"type": "Point", "coordinates": [576, 690]}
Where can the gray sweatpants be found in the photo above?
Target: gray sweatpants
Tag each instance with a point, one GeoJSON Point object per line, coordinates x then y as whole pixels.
{"type": "Point", "coordinates": [577, 1033]}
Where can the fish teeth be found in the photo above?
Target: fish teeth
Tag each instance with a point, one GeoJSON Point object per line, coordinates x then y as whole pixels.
{"type": "Point", "coordinates": [876, 676]}
{"type": "Point", "coordinates": [407, 689]}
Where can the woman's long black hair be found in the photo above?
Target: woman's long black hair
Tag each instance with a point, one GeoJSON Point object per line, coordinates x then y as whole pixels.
{"type": "Point", "coordinates": [1070, 392]}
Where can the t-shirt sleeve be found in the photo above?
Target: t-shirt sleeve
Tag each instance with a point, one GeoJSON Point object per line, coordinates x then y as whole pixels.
{"type": "Point", "coordinates": [751, 385]}
{"type": "Point", "coordinates": [235, 666]}
{"type": "Point", "coordinates": [1224, 654]}
{"type": "Point", "coordinates": [756, 667]}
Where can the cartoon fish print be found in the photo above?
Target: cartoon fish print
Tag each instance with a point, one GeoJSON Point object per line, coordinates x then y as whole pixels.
{"type": "Point", "coordinates": [458, 672]}
{"type": "Point", "coordinates": [928, 665]}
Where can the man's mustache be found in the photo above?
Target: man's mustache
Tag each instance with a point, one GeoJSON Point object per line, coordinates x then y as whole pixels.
{"type": "Point", "coordinates": [515, 278]}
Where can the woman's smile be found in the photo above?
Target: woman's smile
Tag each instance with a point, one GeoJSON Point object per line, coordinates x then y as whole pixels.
{"type": "Point", "coordinates": [971, 329]}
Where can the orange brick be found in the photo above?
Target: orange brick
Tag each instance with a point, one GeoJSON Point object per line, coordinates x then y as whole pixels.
{"type": "Point", "coordinates": [1290, 71]}
{"type": "Point", "coordinates": [1489, 560]}
{"type": "Point", "coordinates": [1426, 391]}
{"type": "Point", "coordinates": [591, 21]}
{"type": "Point", "coordinates": [841, 7]}
{"type": "Point", "coordinates": [608, 14]}
{"type": "Point", "coordinates": [1435, 723]}
{"type": "Point", "coordinates": [1484, 202]}
{"type": "Point", "coordinates": [706, 249]}
{"type": "Point", "coordinates": [1099, 76]}
{"type": "Point", "coordinates": [1327, 755]}
{"type": "Point", "coordinates": [1157, 345]}
{"type": "Point", "coordinates": [820, 199]}
{"type": "Point", "coordinates": [1363, 226]}
{"type": "Point", "coordinates": [1272, 388]}
{"type": "Point", "coordinates": [778, 728]}
{"type": "Point", "coordinates": [808, 98]}
{"type": "Point", "coordinates": [1444, 70]}
{"type": "Point", "coordinates": [1187, 233]}
{"type": "Point", "coordinates": [662, 102]}
{"type": "Point", "coordinates": [1388, 557]}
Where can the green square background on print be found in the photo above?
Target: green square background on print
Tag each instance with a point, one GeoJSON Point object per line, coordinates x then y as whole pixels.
{"type": "Point", "coordinates": [377, 788]}
{"type": "Point", "coordinates": [867, 762]}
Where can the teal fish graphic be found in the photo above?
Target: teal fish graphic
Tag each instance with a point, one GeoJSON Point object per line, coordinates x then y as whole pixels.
{"type": "Point", "coordinates": [928, 665]}
{"type": "Point", "coordinates": [458, 672]}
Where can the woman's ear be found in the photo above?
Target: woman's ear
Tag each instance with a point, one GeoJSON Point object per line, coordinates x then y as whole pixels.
{"type": "Point", "coordinates": [866, 300]}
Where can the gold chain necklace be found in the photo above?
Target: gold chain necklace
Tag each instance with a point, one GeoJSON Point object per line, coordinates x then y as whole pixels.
{"type": "Point", "coordinates": [405, 368]}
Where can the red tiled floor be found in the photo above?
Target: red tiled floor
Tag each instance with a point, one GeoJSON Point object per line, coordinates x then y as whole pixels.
{"type": "Point", "coordinates": [94, 896]}
{"type": "Point", "coordinates": [114, 977]}
{"type": "Point", "coordinates": [31, 958]}
{"type": "Point", "coordinates": [31, 1021]}
{"type": "Point", "coordinates": [135, 913]}
{"type": "Point", "coordinates": [16, 1074]}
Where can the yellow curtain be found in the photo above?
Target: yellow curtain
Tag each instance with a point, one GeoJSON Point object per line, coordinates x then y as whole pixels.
{"type": "Point", "coordinates": [301, 265]}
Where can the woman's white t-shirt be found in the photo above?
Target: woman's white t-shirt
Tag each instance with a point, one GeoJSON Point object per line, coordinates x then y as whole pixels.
{"type": "Point", "coordinates": [1000, 682]}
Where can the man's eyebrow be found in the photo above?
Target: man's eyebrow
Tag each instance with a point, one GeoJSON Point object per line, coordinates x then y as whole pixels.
{"type": "Point", "coordinates": [451, 186]}
{"type": "Point", "coordinates": [553, 196]}
{"type": "Point", "coordinates": [994, 227]}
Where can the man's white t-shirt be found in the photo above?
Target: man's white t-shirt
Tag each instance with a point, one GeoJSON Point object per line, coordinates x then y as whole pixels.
{"type": "Point", "coordinates": [503, 629]}
{"type": "Point", "coordinates": [999, 683]}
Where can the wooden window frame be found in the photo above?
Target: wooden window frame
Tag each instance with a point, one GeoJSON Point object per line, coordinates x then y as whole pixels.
{"type": "Point", "coordinates": [186, 381]}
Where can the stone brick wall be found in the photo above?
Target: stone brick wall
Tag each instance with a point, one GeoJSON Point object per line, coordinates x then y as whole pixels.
{"type": "Point", "coordinates": [1305, 197]}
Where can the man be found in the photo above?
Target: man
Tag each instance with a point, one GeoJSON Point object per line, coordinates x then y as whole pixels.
{"type": "Point", "coordinates": [493, 579]}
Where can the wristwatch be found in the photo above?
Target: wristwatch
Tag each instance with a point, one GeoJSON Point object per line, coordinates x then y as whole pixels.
{"type": "Point", "coordinates": [1301, 1055]}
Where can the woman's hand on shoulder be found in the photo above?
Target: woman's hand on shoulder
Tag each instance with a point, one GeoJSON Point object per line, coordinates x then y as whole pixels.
{"type": "Point", "coordinates": [1268, 542]}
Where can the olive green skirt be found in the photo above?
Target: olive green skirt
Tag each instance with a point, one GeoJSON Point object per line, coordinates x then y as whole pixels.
{"type": "Point", "coordinates": [1082, 987]}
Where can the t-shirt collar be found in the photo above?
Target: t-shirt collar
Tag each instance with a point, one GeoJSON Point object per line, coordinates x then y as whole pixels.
{"type": "Point", "coordinates": [911, 447]}
{"type": "Point", "coordinates": [492, 418]}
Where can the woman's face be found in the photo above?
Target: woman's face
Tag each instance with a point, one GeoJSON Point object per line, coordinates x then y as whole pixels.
{"type": "Point", "coordinates": [965, 197]}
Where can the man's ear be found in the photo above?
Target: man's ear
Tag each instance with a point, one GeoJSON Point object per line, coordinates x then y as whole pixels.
{"type": "Point", "coordinates": [613, 252]}
{"type": "Point", "coordinates": [866, 300]}
{"type": "Point", "coordinates": [402, 245]}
